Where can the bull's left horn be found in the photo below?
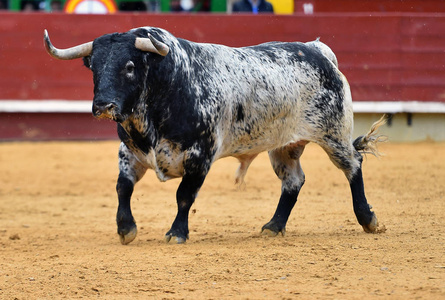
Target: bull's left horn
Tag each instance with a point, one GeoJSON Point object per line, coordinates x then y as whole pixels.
{"type": "Point", "coordinates": [151, 45]}
{"type": "Point", "coordinates": [69, 53]}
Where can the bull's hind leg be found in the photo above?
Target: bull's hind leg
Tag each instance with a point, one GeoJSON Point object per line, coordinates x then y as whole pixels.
{"type": "Point", "coordinates": [349, 160]}
{"type": "Point", "coordinates": [130, 171]}
{"type": "Point", "coordinates": [286, 164]}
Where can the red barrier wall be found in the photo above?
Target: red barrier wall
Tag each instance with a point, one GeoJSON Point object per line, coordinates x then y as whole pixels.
{"type": "Point", "coordinates": [354, 6]}
{"type": "Point", "coordinates": [55, 126]}
{"type": "Point", "coordinates": [384, 56]}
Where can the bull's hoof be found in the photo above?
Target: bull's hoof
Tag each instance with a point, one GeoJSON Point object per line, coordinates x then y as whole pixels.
{"type": "Point", "coordinates": [372, 227]}
{"type": "Point", "coordinates": [177, 235]}
{"type": "Point", "coordinates": [177, 239]}
{"type": "Point", "coordinates": [273, 229]}
{"type": "Point", "coordinates": [128, 237]}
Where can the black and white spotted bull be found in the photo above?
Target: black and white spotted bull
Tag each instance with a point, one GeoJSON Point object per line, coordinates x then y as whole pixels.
{"type": "Point", "coordinates": [181, 105]}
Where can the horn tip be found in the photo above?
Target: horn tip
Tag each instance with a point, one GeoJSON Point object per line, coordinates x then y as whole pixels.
{"type": "Point", "coordinates": [46, 41]}
{"type": "Point", "coordinates": [162, 48]}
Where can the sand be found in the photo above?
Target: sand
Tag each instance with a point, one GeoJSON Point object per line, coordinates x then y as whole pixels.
{"type": "Point", "coordinates": [58, 234]}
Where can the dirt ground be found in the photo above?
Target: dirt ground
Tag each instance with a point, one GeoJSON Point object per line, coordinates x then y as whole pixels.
{"type": "Point", "coordinates": [58, 235]}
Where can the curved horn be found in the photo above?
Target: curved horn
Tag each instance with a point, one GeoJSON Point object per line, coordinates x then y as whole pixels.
{"type": "Point", "coordinates": [69, 53]}
{"type": "Point", "coordinates": [151, 45]}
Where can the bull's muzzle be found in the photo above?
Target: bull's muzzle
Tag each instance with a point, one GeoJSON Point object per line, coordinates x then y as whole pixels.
{"type": "Point", "coordinates": [104, 110]}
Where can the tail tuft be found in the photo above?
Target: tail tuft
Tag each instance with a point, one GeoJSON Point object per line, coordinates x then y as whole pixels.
{"type": "Point", "coordinates": [368, 143]}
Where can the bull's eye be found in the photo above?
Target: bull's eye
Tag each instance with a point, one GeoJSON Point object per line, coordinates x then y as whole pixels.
{"type": "Point", "coordinates": [129, 69]}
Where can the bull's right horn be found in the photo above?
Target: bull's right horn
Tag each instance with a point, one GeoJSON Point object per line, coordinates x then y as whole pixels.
{"type": "Point", "coordinates": [151, 44]}
{"type": "Point", "coordinates": [69, 53]}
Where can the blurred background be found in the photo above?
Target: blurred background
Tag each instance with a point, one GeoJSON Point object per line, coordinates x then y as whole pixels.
{"type": "Point", "coordinates": [391, 51]}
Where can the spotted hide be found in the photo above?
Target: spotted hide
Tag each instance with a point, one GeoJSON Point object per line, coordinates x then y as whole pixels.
{"type": "Point", "coordinates": [181, 105]}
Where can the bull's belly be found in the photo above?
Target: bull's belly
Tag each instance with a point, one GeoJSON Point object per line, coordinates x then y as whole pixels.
{"type": "Point", "coordinates": [270, 138]}
{"type": "Point", "coordinates": [167, 159]}
{"type": "Point", "coordinates": [257, 146]}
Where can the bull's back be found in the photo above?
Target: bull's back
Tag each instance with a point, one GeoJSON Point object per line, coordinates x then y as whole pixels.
{"type": "Point", "coordinates": [267, 92]}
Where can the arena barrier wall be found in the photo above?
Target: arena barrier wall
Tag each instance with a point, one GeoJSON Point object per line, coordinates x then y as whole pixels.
{"type": "Point", "coordinates": [394, 62]}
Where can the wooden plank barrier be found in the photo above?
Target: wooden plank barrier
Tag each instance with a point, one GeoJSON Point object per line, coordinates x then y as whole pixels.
{"type": "Point", "coordinates": [385, 56]}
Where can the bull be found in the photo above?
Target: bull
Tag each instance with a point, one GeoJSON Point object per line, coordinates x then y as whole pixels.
{"type": "Point", "coordinates": [180, 106]}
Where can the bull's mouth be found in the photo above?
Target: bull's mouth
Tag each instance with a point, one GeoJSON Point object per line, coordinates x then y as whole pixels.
{"type": "Point", "coordinates": [107, 112]}
{"type": "Point", "coordinates": [112, 117]}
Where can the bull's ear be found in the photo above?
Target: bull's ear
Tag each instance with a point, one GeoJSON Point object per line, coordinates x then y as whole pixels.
{"type": "Point", "coordinates": [87, 61]}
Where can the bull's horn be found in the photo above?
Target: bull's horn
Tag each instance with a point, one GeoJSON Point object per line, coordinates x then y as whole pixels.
{"type": "Point", "coordinates": [66, 54]}
{"type": "Point", "coordinates": [151, 45]}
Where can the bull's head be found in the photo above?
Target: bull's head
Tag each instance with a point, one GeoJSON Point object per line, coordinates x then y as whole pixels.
{"type": "Point", "coordinates": [119, 68]}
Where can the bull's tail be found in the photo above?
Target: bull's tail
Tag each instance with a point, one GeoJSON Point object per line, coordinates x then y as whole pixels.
{"type": "Point", "coordinates": [368, 143]}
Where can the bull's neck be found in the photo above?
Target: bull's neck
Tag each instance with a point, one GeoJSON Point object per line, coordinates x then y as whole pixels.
{"type": "Point", "coordinates": [139, 129]}
{"type": "Point", "coordinates": [138, 120]}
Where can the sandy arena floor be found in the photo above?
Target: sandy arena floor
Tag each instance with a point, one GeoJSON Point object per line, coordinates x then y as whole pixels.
{"type": "Point", "coordinates": [58, 235]}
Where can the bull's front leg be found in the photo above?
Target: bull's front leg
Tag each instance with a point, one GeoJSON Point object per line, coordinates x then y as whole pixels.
{"type": "Point", "coordinates": [196, 168]}
{"type": "Point", "coordinates": [185, 196]}
{"type": "Point", "coordinates": [130, 171]}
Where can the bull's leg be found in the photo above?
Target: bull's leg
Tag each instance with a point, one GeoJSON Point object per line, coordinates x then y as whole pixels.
{"type": "Point", "coordinates": [130, 171]}
{"type": "Point", "coordinates": [286, 164]}
{"type": "Point", "coordinates": [362, 209]}
{"type": "Point", "coordinates": [185, 196]}
{"type": "Point", "coordinates": [349, 160]}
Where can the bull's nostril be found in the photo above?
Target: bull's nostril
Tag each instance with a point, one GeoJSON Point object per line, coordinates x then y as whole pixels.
{"type": "Point", "coordinates": [96, 110]}
{"type": "Point", "coordinates": [110, 106]}
{"type": "Point", "coordinates": [100, 108]}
